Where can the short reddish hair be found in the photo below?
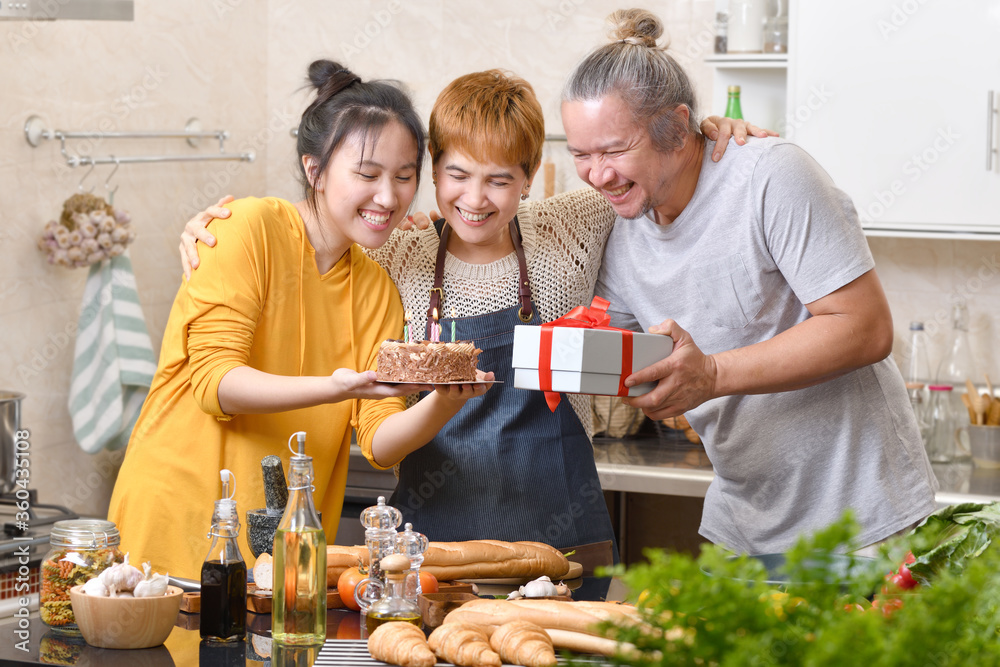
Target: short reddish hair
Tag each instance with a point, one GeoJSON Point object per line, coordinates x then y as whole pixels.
{"type": "Point", "coordinates": [490, 116]}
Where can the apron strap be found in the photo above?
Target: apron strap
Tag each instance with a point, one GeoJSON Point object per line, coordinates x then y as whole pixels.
{"type": "Point", "coordinates": [526, 313]}
{"type": "Point", "coordinates": [434, 310]}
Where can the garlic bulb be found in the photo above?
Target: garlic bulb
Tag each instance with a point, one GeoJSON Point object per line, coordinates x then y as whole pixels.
{"type": "Point", "coordinates": [539, 588]}
{"type": "Point", "coordinates": [152, 584]}
{"type": "Point", "coordinates": [120, 577]}
{"type": "Point", "coordinates": [95, 587]}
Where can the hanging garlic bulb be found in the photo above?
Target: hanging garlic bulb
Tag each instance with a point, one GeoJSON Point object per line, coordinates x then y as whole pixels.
{"type": "Point", "coordinates": [89, 231]}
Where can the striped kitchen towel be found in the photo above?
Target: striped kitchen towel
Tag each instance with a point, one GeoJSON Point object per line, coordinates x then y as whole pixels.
{"type": "Point", "coordinates": [113, 364]}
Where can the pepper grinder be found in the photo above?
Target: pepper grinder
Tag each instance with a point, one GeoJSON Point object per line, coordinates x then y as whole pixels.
{"type": "Point", "coordinates": [262, 522]}
{"type": "Point", "coordinates": [412, 544]}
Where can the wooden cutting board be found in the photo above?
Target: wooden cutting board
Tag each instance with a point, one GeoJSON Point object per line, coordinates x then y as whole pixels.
{"type": "Point", "coordinates": [258, 602]}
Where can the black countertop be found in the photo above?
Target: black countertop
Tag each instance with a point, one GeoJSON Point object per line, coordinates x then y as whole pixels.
{"type": "Point", "coordinates": [184, 647]}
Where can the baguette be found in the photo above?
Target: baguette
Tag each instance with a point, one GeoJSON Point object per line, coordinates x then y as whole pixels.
{"type": "Point", "coordinates": [474, 559]}
{"type": "Point", "coordinates": [580, 642]}
{"type": "Point", "coordinates": [493, 559]}
{"type": "Point", "coordinates": [580, 617]}
{"type": "Point", "coordinates": [340, 558]}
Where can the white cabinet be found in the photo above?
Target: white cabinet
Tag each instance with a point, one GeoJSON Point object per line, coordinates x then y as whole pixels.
{"type": "Point", "coordinates": [892, 100]}
{"type": "Point", "coordinates": [762, 80]}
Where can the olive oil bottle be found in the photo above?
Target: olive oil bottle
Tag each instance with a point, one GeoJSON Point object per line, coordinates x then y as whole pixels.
{"type": "Point", "coordinates": [394, 605]}
{"type": "Point", "coordinates": [298, 607]}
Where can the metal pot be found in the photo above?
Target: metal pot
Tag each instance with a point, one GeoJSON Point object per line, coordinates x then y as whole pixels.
{"type": "Point", "coordinates": [10, 424]}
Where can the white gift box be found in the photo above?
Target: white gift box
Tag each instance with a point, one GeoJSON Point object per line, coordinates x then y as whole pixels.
{"type": "Point", "coordinates": [585, 361]}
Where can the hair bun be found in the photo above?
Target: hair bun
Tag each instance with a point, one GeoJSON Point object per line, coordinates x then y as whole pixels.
{"type": "Point", "coordinates": [329, 77]}
{"type": "Point", "coordinates": [635, 26]}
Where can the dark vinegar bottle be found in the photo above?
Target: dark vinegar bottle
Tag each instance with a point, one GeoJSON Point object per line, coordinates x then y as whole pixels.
{"type": "Point", "coordinates": [224, 575]}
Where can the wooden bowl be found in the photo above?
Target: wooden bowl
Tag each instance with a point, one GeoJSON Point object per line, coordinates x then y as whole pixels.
{"type": "Point", "coordinates": [125, 623]}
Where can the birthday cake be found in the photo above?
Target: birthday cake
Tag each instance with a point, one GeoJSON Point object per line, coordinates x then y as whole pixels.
{"type": "Point", "coordinates": [427, 361]}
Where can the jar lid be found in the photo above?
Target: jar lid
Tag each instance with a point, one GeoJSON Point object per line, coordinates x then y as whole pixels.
{"type": "Point", "coordinates": [940, 387]}
{"type": "Point", "coordinates": [93, 533]}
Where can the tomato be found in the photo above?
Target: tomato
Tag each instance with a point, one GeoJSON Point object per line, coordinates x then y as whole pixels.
{"type": "Point", "coordinates": [888, 606]}
{"type": "Point", "coordinates": [904, 579]}
{"type": "Point", "coordinates": [346, 584]}
{"type": "Point", "coordinates": [428, 582]}
{"type": "Point", "coordinates": [909, 558]}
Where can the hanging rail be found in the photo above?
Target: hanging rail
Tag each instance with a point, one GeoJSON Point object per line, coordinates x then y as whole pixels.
{"type": "Point", "coordinates": [548, 137]}
{"type": "Point", "coordinates": [35, 132]}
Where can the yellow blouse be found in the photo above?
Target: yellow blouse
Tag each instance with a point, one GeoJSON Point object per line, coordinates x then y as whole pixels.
{"type": "Point", "coordinates": [256, 300]}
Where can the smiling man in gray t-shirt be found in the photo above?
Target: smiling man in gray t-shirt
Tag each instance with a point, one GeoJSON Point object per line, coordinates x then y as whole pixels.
{"type": "Point", "coordinates": [758, 268]}
{"type": "Point", "coordinates": [765, 233]}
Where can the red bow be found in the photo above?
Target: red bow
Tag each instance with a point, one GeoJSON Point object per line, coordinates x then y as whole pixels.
{"type": "Point", "coordinates": [595, 317]}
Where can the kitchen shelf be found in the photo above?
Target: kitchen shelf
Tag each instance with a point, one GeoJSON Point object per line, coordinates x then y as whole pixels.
{"type": "Point", "coordinates": [940, 234]}
{"type": "Point", "coordinates": [749, 61]}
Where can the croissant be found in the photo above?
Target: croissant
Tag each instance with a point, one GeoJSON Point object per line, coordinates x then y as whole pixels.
{"type": "Point", "coordinates": [523, 643]}
{"type": "Point", "coordinates": [401, 643]}
{"type": "Point", "coordinates": [463, 644]}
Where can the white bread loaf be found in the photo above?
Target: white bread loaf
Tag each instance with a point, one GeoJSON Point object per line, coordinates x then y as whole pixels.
{"type": "Point", "coordinates": [263, 576]}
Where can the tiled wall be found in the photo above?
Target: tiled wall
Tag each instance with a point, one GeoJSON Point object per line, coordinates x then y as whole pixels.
{"type": "Point", "coordinates": [239, 65]}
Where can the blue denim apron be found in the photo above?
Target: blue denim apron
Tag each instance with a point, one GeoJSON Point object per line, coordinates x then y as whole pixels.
{"type": "Point", "coordinates": [505, 467]}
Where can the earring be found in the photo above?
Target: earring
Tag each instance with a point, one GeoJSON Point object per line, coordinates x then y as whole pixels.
{"type": "Point", "coordinates": [524, 196]}
{"type": "Point", "coordinates": [434, 179]}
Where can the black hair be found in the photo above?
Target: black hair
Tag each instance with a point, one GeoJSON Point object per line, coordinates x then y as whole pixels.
{"type": "Point", "coordinates": [346, 106]}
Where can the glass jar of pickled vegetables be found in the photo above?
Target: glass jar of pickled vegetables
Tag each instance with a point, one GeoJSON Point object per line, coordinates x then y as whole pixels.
{"type": "Point", "coordinates": [80, 550]}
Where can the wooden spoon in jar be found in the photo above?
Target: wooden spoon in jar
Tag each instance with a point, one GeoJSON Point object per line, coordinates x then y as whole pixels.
{"type": "Point", "coordinates": [993, 413]}
{"type": "Point", "coordinates": [979, 404]}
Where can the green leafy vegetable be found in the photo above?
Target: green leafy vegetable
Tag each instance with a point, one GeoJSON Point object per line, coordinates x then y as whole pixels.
{"type": "Point", "coordinates": [731, 617]}
{"type": "Point", "coordinates": [951, 537]}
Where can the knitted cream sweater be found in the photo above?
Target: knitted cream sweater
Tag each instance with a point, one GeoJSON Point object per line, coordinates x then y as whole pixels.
{"type": "Point", "coordinates": [563, 239]}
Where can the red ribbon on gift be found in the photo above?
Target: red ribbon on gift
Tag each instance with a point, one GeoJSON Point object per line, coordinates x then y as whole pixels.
{"type": "Point", "coordinates": [595, 317]}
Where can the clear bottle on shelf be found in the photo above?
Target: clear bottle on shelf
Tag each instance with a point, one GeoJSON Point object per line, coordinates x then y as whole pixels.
{"type": "Point", "coordinates": [916, 373]}
{"type": "Point", "coordinates": [224, 573]}
{"type": "Point", "coordinates": [942, 436]}
{"type": "Point", "coordinates": [298, 611]}
{"type": "Point", "coordinates": [721, 31]}
{"type": "Point", "coordinates": [957, 366]}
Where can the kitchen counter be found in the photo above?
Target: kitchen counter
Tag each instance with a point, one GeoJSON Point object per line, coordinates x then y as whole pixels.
{"type": "Point", "coordinates": [651, 465]}
{"type": "Point", "coordinates": [184, 647]}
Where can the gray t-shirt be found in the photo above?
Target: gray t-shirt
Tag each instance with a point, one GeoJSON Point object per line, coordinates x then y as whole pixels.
{"type": "Point", "coordinates": [766, 232]}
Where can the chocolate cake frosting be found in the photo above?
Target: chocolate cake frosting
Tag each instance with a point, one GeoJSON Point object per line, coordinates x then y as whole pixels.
{"type": "Point", "coordinates": [427, 362]}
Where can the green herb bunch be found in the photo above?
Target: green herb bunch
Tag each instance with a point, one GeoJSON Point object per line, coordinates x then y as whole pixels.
{"type": "Point", "coordinates": [719, 610]}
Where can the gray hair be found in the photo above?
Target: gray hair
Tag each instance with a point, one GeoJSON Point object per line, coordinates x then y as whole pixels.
{"type": "Point", "coordinates": [643, 75]}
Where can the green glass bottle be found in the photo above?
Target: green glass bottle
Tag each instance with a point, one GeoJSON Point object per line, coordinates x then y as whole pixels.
{"type": "Point", "coordinates": [733, 109]}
